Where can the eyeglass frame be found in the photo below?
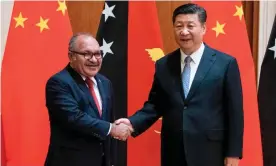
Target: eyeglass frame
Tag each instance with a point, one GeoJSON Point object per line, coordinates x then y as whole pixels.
{"type": "Point", "coordinates": [89, 54]}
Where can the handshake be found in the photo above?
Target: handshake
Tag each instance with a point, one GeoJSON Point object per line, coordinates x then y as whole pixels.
{"type": "Point", "coordinates": [121, 129]}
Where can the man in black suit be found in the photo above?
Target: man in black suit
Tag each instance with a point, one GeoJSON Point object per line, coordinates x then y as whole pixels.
{"type": "Point", "coordinates": [80, 106]}
{"type": "Point", "coordinates": [197, 91]}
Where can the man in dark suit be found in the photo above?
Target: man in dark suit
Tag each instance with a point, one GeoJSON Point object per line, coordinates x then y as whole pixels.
{"type": "Point", "coordinates": [197, 91]}
{"type": "Point", "coordinates": [80, 106]}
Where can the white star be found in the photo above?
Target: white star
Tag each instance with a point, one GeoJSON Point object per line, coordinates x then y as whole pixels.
{"type": "Point", "coordinates": [273, 49]}
{"type": "Point", "coordinates": [106, 47]}
{"type": "Point", "coordinates": [108, 11]}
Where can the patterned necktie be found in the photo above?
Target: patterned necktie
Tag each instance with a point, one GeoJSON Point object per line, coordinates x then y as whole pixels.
{"type": "Point", "coordinates": [90, 84]}
{"type": "Point", "coordinates": [186, 75]}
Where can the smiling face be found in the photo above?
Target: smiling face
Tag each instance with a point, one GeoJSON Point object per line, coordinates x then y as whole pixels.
{"type": "Point", "coordinates": [85, 45]}
{"type": "Point", "coordinates": [188, 32]}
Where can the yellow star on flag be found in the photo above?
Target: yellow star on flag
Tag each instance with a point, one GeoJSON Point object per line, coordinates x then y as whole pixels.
{"type": "Point", "coordinates": [219, 29]}
{"type": "Point", "coordinates": [20, 20]}
{"type": "Point", "coordinates": [62, 7]}
{"type": "Point", "coordinates": [42, 24]}
{"type": "Point", "coordinates": [239, 12]}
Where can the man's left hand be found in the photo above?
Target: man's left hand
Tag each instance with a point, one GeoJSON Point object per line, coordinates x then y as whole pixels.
{"type": "Point", "coordinates": [231, 161]}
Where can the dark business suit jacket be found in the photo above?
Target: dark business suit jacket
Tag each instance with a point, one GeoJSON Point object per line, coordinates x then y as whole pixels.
{"type": "Point", "coordinates": [78, 133]}
{"type": "Point", "coordinates": [205, 127]}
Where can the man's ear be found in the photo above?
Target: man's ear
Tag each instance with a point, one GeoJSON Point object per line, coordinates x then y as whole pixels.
{"type": "Point", "coordinates": [204, 28]}
{"type": "Point", "coordinates": [71, 57]}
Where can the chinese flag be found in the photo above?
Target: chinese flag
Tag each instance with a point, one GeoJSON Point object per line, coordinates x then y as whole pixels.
{"type": "Point", "coordinates": [226, 31]}
{"type": "Point", "coordinates": [36, 48]}
{"type": "Point", "coordinates": [144, 48]}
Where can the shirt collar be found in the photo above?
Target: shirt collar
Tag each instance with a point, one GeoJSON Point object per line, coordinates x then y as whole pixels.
{"type": "Point", "coordinates": [196, 56]}
{"type": "Point", "coordinates": [92, 78]}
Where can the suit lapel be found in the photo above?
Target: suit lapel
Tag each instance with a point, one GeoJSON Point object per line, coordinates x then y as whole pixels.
{"type": "Point", "coordinates": [86, 90]}
{"type": "Point", "coordinates": [102, 94]}
{"type": "Point", "coordinates": [207, 60]}
{"type": "Point", "coordinates": [82, 85]}
{"type": "Point", "coordinates": [174, 63]}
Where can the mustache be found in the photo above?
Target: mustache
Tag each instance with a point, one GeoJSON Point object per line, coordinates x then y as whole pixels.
{"type": "Point", "coordinates": [92, 64]}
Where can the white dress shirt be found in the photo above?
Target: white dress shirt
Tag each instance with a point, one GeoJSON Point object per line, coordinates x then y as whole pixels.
{"type": "Point", "coordinates": [196, 57]}
{"type": "Point", "coordinates": [98, 95]}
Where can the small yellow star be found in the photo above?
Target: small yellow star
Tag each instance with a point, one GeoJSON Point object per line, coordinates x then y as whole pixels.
{"type": "Point", "coordinates": [20, 20]}
{"type": "Point", "coordinates": [62, 6]}
{"type": "Point", "coordinates": [219, 29]}
{"type": "Point", "coordinates": [239, 12]}
{"type": "Point", "coordinates": [42, 24]}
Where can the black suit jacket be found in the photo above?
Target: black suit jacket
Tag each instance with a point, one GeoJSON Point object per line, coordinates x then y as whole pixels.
{"type": "Point", "coordinates": [205, 127]}
{"type": "Point", "coordinates": [78, 133]}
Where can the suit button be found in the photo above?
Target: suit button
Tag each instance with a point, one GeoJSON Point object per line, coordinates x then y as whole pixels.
{"type": "Point", "coordinates": [185, 107]}
{"type": "Point", "coordinates": [101, 144]}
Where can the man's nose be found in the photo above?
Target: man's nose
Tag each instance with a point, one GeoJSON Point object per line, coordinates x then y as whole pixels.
{"type": "Point", "coordinates": [93, 59]}
{"type": "Point", "coordinates": [184, 31]}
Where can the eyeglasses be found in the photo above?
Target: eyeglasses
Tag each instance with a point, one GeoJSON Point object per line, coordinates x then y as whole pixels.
{"type": "Point", "coordinates": [89, 55]}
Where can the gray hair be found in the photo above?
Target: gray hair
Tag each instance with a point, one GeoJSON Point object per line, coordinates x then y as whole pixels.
{"type": "Point", "coordinates": [72, 41]}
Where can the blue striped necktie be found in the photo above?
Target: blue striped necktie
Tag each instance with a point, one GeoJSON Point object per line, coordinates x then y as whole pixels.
{"type": "Point", "coordinates": [186, 75]}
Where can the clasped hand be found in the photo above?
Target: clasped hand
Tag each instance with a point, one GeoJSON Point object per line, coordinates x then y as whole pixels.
{"type": "Point", "coordinates": [121, 129]}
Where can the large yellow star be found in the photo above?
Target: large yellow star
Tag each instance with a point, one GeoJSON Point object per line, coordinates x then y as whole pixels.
{"type": "Point", "coordinates": [20, 20]}
{"type": "Point", "coordinates": [42, 24]}
{"type": "Point", "coordinates": [62, 6]}
{"type": "Point", "coordinates": [219, 29]}
{"type": "Point", "coordinates": [239, 12]}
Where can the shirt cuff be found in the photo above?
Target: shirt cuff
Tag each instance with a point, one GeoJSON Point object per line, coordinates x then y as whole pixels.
{"type": "Point", "coordinates": [109, 129]}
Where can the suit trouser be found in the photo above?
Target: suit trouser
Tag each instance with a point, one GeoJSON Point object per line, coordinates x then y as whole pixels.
{"type": "Point", "coordinates": [103, 161]}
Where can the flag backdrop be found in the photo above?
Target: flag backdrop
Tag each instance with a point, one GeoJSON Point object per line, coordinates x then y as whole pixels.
{"type": "Point", "coordinates": [144, 48]}
{"type": "Point", "coordinates": [130, 38]}
{"type": "Point", "coordinates": [266, 98]}
{"type": "Point", "coordinates": [112, 36]}
{"type": "Point", "coordinates": [36, 48]}
{"type": "Point", "coordinates": [131, 41]}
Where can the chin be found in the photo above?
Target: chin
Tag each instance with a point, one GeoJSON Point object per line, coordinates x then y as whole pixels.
{"type": "Point", "coordinates": [91, 74]}
{"type": "Point", "coordinates": [186, 48]}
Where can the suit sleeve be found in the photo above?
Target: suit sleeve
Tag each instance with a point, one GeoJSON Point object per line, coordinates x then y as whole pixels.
{"type": "Point", "coordinates": [63, 108]}
{"type": "Point", "coordinates": [150, 112]}
{"type": "Point", "coordinates": [234, 104]}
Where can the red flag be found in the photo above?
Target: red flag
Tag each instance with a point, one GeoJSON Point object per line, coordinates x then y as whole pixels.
{"type": "Point", "coordinates": [36, 48]}
{"type": "Point", "coordinates": [144, 48]}
{"type": "Point", "coordinates": [226, 31]}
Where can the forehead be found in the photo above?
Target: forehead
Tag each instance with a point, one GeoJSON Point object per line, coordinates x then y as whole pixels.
{"type": "Point", "coordinates": [87, 43]}
{"type": "Point", "coordinates": [186, 18]}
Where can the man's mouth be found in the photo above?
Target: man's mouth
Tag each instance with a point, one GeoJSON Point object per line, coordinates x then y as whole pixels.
{"type": "Point", "coordinates": [92, 65]}
{"type": "Point", "coordinates": [185, 40]}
